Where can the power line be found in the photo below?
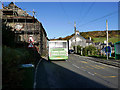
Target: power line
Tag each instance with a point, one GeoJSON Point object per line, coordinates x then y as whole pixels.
{"type": "Point", "coordinates": [99, 18]}
{"type": "Point", "coordinates": [64, 11]}
{"type": "Point", "coordinates": [90, 7]}
{"type": "Point", "coordinates": [80, 10]}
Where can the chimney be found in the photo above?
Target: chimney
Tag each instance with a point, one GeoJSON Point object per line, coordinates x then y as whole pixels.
{"type": "Point", "coordinates": [77, 32]}
{"type": "Point", "coordinates": [90, 38]}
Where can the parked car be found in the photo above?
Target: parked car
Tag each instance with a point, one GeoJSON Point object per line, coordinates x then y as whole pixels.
{"type": "Point", "coordinates": [71, 51]}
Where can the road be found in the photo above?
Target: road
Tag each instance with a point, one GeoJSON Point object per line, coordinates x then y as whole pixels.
{"type": "Point", "coordinates": [76, 72]}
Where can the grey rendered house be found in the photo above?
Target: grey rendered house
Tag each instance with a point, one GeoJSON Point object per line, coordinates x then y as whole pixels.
{"type": "Point", "coordinates": [79, 41]}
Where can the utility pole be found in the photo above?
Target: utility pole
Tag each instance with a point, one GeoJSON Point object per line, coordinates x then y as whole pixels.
{"type": "Point", "coordinates": [107, 37]}
{"type": "Point", "coordinates": [75, 37]}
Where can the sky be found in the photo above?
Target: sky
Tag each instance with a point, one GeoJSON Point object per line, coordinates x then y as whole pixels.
{"type": "Point", "coordinates": [58, 17]}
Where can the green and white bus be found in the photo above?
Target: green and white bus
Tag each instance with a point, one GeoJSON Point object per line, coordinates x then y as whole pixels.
{"type": "Point", "coordinates": [58, 50]}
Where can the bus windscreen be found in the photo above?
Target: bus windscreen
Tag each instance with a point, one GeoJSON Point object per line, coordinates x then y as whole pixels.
{"type": "Point", "coordinates": [58, 50]}
{"type": "Point", "coordinates": [57, 45]}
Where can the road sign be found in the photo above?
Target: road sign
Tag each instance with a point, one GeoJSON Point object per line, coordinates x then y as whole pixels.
{"type": "Point", "coordinates": [108, 49]}
{"type": "Point", "coordinates": [31, 45]}
{"type": "Point", "coordinates": [31, 39]}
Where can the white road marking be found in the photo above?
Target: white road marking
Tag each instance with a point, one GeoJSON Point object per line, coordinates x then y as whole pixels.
{"type": "Point", "coordinates": [104, 64]}
{"type": "Point", "coordinates": [34, 85]}
{"type": "Point", "coordinates": [75, 65]}
{"type": "Point", "coordinates": [83, 69]}
{"type": "Point", "coordinates": [91, 73]}
{"type": "Point", "coordinates": [98, 62]}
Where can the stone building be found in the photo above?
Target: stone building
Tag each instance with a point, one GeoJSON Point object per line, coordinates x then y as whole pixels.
{"type": "Point", "coordinates": [26, 27]}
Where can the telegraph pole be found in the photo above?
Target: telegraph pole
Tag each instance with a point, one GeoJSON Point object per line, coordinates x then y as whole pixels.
{"type": "Point", "coordinates": [107, 37]}
{"type": "Point", "coordinates": [75, 37]}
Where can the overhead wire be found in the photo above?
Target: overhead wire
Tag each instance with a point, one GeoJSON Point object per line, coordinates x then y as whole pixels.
{"type": "Point", "coordinates": [66, 15]}
{"type": "Point", "coordinates": [87, 12]}
{"type": "Point", "coordinates": [80, 11]}
{"type": "Point", "coordinates": [112, 13]}
{"type": "Point", "coordinates": [64, 11]}
{"type": "Point", "coordinates": [88, 28]}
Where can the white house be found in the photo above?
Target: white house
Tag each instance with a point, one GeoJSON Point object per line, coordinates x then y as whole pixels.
{"type": "Point", "coordinates": [79, 40]}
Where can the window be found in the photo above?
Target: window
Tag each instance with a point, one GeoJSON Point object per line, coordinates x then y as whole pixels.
{"type": "Point", "coordinates": [57, 44]}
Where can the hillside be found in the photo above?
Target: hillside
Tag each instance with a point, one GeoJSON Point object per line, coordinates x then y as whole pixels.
{"type": "Point", "coordinates": [97, 36]}
{"type": "Point", "coordinates": [100, 36]}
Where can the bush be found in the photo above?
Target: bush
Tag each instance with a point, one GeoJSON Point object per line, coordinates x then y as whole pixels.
{"type": "Point", "coordinates": [89, 50]}
{"type": "Point", "coordinates": [113, 54]}
{"type": "Point", "coordinates": [13, 56]}
{"type": "Point", "coordinates": [11, 74]}
{"type": "Point", "coordinates": [11, 60]}
{"type": "Point", "coordinates": [84, 51]}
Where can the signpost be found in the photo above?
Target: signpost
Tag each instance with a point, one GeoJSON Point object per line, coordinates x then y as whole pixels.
{"type": "Point", "coordinates": [31, 39]}
{"type": "Point", "coordinates": [31, 45]}
{"type": "Point", "coordinates": [108, 50]}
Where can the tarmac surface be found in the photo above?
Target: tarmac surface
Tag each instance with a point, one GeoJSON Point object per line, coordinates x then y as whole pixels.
{"type": "Point", "coordinates": [112, 62]}
{"type": "Point", "coordinates": [76, 72]}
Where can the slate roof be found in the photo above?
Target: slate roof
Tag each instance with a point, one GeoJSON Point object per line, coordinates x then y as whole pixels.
{"type": "Point", "coordinates": [89, 41]}
{"type": "Point", "coordinates": [78, 36]}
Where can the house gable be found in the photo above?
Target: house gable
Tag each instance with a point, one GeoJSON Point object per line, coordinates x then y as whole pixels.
{"type": "Point", "coordinates": [78, 38]}
{"type": "Point", "coordinates": [17, 11]}
{"type": "Point", "coordinates": [79, 41]}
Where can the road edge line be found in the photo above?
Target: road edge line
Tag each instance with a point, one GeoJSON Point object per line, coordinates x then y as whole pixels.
{"type": "Point", "coordinates": [34, 85]}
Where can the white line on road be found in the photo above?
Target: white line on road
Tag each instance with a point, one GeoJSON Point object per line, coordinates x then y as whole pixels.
{"type": "Point", "coordinates": [104, 64]}
{"type": "Point", "coordinates": [83, 69]}
{"type": "Point", "coordinates": [34, 86]}
{"type": "Point", "coordinates": [90, 73]}
{"type": "Point", "coordinates": [97, 62]}
{"type": "Point", "coordinates": [75, 65]}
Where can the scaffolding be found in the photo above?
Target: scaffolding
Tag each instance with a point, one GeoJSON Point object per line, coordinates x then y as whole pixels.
{"type": "Point", "coordinates": [30, 26]}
